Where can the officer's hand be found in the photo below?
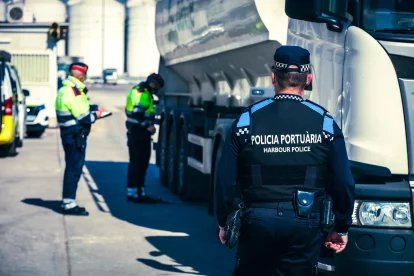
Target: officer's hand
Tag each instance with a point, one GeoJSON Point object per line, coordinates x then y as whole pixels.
{"type": "Point", "coordinates": [151, 129]}
{"type": "Point", "coordinates": [101, 109]}
{"type": "Point", "coordinates": [221, 236]}
{"type": "Point", "coordinates": [98, 114]}
{"type": "Point", "coordinates": [336, 242]}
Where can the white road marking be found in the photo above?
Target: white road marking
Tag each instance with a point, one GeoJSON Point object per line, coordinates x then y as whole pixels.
{"type": "Point", "coordinates": [92, 185]}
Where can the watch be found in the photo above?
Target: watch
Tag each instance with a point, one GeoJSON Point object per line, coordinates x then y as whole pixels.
{"type": "Point", "coordinates": [221, 228]}
{"type": "Point", "coordinates": [343, 234]}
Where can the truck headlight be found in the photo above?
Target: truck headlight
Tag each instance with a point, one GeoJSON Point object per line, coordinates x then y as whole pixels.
{"type": "Point", "coordinates": [382, 214]}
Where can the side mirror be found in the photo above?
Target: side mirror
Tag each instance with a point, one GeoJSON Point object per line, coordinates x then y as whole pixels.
{"type": "Point", "coordinates": [317, 11]}
{"type": "Point", "coordinates": [26, 92]}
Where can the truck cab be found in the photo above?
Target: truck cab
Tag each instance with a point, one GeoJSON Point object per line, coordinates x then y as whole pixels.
{"type": "Point", "coordinates": [363, 58]}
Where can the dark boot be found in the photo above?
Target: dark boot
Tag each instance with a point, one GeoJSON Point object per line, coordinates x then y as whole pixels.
{"type": "Point", "coordinates": [76, 211]}
{"type": "Point", "coordinates": [146, 199]}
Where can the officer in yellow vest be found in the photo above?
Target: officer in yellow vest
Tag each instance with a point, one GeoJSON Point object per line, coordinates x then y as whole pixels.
{"type": "Point", "coordinates": [140, 127]}
{"type": "Point", "coordinates": [75, 117]}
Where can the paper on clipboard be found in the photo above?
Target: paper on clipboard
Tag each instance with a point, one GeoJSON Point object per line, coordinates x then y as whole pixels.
{"type": "Point", "coordinates": [105, 114]}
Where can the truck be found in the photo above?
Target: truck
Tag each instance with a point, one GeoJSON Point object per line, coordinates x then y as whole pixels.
{"type": "Point", "coordinates": [216, 58]}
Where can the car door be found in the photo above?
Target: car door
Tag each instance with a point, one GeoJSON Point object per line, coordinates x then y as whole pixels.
{"type": "Point", "coordinates": [15, 96]}
{"type": "Point", "coordinates": [21, 100]}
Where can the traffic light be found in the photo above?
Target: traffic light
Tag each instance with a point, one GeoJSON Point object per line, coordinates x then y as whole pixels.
{"type": "Point", "coordinates": [54, 31]}
{"type": "Point", "coordinates": [63, 32]}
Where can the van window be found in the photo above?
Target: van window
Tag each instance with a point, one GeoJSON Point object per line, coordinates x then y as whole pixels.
{"type": "Point", "coordinates": [6, 89]}
{"type": "Point", "coordinates": [13, 82]}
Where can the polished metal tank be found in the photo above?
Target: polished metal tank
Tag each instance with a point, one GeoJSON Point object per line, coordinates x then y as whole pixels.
{"type": "Point", "coordinates": [220, 49]}
{"type": "Point", "coordinates": [97, 34]}
{"type": "Point", "coordinates": [143, 56]}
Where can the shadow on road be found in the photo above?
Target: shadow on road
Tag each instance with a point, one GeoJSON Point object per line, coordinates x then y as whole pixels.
{"type": "Point", "coordinates": [54, 205]}
{"type": "Point", "coordinates": [160, 266]}
{"type": "Point", "coordinates": [190, 240]}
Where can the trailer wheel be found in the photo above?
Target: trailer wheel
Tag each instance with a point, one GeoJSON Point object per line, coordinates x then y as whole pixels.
{"type": "Point", "coordinates": [171, 158]}
{"type": "Point", "coordinates": [182, 183]}
{"type": "Point", "coordinates": [162, 153]}
{"type": "Point", "coordinates": [188, 191]}
{"type": "Point", "coordinates": [212, 202]}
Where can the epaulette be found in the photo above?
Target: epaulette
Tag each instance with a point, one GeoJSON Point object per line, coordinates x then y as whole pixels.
{"type": "Point", "coordinates": [76, 91]}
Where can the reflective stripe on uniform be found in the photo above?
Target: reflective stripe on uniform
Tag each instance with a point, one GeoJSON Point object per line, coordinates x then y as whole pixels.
{"type": "Point", "coordinates": [74, 83]}
{"type": "Point", "coordinates": [63, 113]}
{"type": "Point", "coordinates": [71, 122]}
{"type": "Point", "coordinates": [132, 120]}
{"type": "Point", "coordinates": [65, 118]}
{"type": "Point", "coordinates": [83, 115]}
{"type": "Point", "coordinates": [135, 121]}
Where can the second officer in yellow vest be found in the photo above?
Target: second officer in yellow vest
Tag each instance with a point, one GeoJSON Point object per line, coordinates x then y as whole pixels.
{"type": "Point", "coordinates": [140, 127]}
{"type": "Point", "coordinates": [75, 117]}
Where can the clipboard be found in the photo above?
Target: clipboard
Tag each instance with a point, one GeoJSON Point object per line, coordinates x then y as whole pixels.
{"type": "Point", "coordinates": [105, 114]}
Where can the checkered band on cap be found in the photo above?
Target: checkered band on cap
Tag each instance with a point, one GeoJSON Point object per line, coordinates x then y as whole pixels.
{"type": "Point", "coordinates": [303, 68]}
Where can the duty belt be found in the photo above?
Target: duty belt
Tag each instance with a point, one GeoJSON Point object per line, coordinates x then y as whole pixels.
{"type": "Point", "coordinates": [287, 205]}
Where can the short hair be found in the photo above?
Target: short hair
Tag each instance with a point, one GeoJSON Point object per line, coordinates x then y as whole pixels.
{"type": "Point", "coordinates": [291, 79]}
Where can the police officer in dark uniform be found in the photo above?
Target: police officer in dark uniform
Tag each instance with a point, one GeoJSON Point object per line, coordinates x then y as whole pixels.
{"type": "Point", "coordinates": [287, 155]}
{"type": "Point", "coordinates": [75, 117]}
{"type": "Point", "coordinates": [140, 112]}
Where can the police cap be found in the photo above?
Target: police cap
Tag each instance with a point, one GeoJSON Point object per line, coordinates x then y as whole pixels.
{"type": "Point", "coordinates": [157, 79]}
{"type": "Point", "coordinates": [80, 66]}
{"type": "Point", "coordinates": [286, 56]}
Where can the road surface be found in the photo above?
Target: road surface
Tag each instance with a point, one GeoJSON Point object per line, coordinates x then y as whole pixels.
{"type": "Point", "coordinates": [118, 238]}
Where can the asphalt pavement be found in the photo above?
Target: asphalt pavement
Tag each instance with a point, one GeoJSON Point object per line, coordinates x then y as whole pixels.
{"type": "Point", "coordinates": [118, 238]}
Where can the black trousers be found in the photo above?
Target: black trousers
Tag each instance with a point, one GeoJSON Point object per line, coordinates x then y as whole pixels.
{"type": "Point", "coordinates": [276, 243]}
{"type": "Point", "coordinates": [139, 148]}
{"type": "Point", "coordinates": [74, 161]}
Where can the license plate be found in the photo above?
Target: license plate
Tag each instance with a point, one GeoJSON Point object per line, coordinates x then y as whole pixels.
{"type": "Point", "coordinates": [31, 118]}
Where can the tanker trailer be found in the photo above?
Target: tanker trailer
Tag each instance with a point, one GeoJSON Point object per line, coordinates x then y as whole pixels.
{"type": "Point", "coordinates": [216, 58]}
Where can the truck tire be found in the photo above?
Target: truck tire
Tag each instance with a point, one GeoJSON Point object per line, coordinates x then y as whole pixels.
{"type": "Point", "coordinates": [162, 153]}
{"type": "Point", "coordinates": [171, 158]}
{"type": "Point", "coordinates": [188, 191]}
{"type": "Point", "coordinates": [212, 201]}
